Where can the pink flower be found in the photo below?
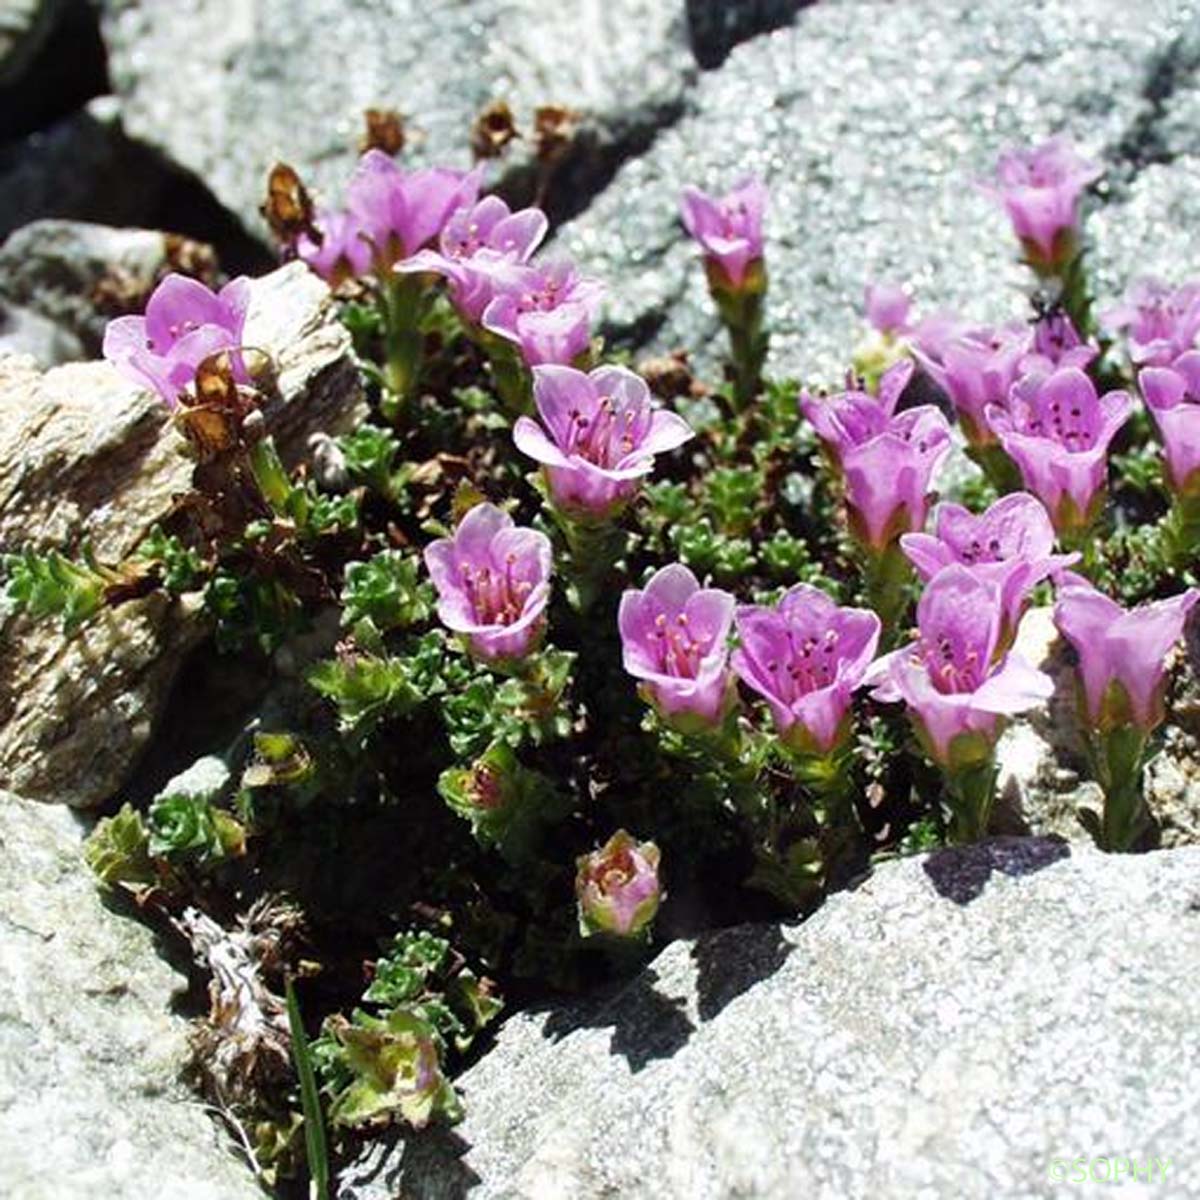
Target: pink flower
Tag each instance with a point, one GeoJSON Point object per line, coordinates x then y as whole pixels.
{"type": "Point", "coordinates": [1057, 431]}
{"type": "Point", "coordinates": [1173, 396]}
{"type": "Point", "coordinates": [1011, 547]}
{"type": "Point", "coordinates": [617, 887]}
{"type": "Point", "coordinates": [342, 254]}
{"type": "Point", "coordinates": [729, 229]}
{"type": "Point", "coordinates": [806, 656]}
{"type": "Point", "coordinates": [399, 212]}
{"type": "Point", "coordinates": [183, 325]}
{"type": "Point", "coordinates": [975, 368]}
{"type": "Point", "coordinates": [850, 417]}
{"type": "Point", "coordinates": [1056, 343]}
{"type": "Point", "coordinates": [1040, 187]}
{"type": "Point", "coordinates": [1122, 654]}
{"type": "Point", "coordinates": [674, 637]}
{"type": "Point", "coordinates": [598, 436]}
{"type": "Point", "coordinates": [479, 250]}
{"type": "Point", "coordinates": [493, 583]}
{"type": "Point", "coordinates": [1162, 322]}
{"type": "Point", "coordinates": [545, 311]}
{"type": "Point", "coordinates": [887, 306]}
{"type": "Point", "coordinates": [953, 680]}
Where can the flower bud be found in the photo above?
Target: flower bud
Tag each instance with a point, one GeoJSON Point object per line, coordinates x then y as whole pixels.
{"type": "Point", "coordinates": [617, 887]}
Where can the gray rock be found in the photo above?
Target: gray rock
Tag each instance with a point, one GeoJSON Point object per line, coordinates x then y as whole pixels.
{"type": "Point", "coordinates": [255, 75]}
{"type": "Point", "coordinates": [53, 267]}
{"type": "Point", "coordinates": [91, 1103]}
{"type": "Point", "coordinates": [24, 26]}
{"type": "Point", "coordinates": [26, 331]}
{"type": "Point", "coordinates": [870, 122]}
{"type": "Point", "coordinates": [85, 454]}
{"type": "Point", "coordinates": [950, 1028]}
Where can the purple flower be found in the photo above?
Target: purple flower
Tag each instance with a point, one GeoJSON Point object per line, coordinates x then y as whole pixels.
{"type": "Point", "coordinates": [546, 311]}
{"type": "Point", "coordinates": [343, 252]}
{"type": "Point", "coordinates": [1057, 430]}
{"type": "Point", "coordinates": [729, 229]}
{"type": "Point", "coordinates": [399, 212]}
{"type": "Point", "coordinates": [850, 417]}
{"type": "Point", "coordinates": [183, 325]}
{"type": "Point", "coordinates": [887, 306]}
{"type": "Point", "coordinates": [1040, 187]}
{"type": "Point", "coordinates": [975, 368]}
{"type": "Point", "coordinates": [1011, 546]}
{"type": "Point", "coordinates": [806, 656]}
{"type": "Point", "coordinates": [479, 251]}
{"type": "Point", "coordinates": [1162, 322]}
{"type": "Point", "coordinates": [598, 436]}
{"type": "Point", "coordinates": [1122, 654]}
{"type": "Point", "coordinates": [1173, 396]}
{"type": "Point", "coordinates": [953, 678]}
{"type": "Point", "coordinates": [1056, 343]}
{"type": "Point", "coordinates": [617, 887]}
{"type": "Point", "coordinates": [674, 637]}
{"type": "Point", "coordinates": [493, 583]}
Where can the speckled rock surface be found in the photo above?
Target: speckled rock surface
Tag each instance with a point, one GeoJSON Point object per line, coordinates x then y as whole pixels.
{"type": "Point", "coordinates": [870, 122]}
{"type": "Point", "coordinates": [85, 454]}
{"type": "Point", "coordinates": [53, 267]}
{"type": "Point", "coordinates": [948, 1029]}
{"type": "Point", "coordinates": [254, 74]}
{"type": "Point", "coordinates": [90, 1100]}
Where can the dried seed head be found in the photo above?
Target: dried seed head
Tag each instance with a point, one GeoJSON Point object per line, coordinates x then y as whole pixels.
{"type": "Point", "coordinates": [554, 129]}
{"type": "Point", "coordinates": [494, 128]}
{"type": "Point", "coordinates": [384, 131]}
{"type": "Point", "coordinates": [288, 208]}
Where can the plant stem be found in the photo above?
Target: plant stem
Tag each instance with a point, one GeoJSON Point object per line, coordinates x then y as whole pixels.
{"type": "Point", "coordinates": [887, 576]}
{"type": "Point", "coordinates": [741, 307]}
{"type": "Point", "coordinates": [1117, 759]}
{"type": "Point", "coordinates": [970, 794]}
{"type": "Point", "coordinates": [403, 299]}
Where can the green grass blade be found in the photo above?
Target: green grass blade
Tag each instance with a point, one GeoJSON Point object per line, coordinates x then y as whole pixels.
{"type": "Point", "coordinates": [314, 1121]}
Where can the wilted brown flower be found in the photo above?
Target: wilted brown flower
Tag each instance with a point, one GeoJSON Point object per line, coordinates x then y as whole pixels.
{"type": "Point", "coordinates": [385, 131]}
{"type": "Point", "coordinates": [554, 129]}
{"type": "Point", "coordinates": [494, 128]}
{"type": "Point", "coordinates": [289, 208]}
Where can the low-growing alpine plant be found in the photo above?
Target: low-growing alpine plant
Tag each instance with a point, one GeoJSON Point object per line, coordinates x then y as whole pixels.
{"type": "Point", "coordinates": [564, 657]}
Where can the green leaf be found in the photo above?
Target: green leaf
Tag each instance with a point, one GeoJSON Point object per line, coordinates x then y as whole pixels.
{"type": "Point", "coordinates": [386, 590]}
{"type": "Point", "coordinates": [182, 568]}
{"type": "Point", "coordinates": [184, 827]}
{"type": "Point", "coordinates": [118, 850]}
{"type": "Point", "coordinates": [366, 690]}
{"type": "Point", "coordinates": [310, 1100]}
{"type": "Point", "coordinates": [46, 584]}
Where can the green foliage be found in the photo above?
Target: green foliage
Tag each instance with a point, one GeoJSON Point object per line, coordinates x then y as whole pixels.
{"type": "Point", "coordinates": [388, 591]}
{"type": "Point", "coordinates": [250, 610]}
{"type": "Point", "coordinates": [506, 803]}
{"type": "Point", "coordinates": [709, 552]}
{"type": "Point", "coordinates": [390, 1064]}
{"type": "Point", "coordinates": [481, 710]}
{"type": "Point", "coordinates": [370, 454]}
{"type": "Point", "coordinates": [310, 512]}
{"type": "Point", "coordinates": [734, 496]}
{"type": "Point", "coordinates": [46, 584]}
{"type": "Point", "coordinates": [186, 828]}
{"type": "Point", "coordinates": [366, 690]}
{"type": "Point", "coordinates": [118, 851]}
{"type": "Point", "coordinates": [182, 568]}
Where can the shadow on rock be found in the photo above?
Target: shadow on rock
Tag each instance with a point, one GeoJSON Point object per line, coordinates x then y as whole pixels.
{"type": "Point", "coordinates": [961, 873]}
{"type": "Point", "coordinates": [427, 1164]}
{"type": "Point", "coordinates": [646, 1024]}
{"type": "Point", "coordinates": [732, 961]}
